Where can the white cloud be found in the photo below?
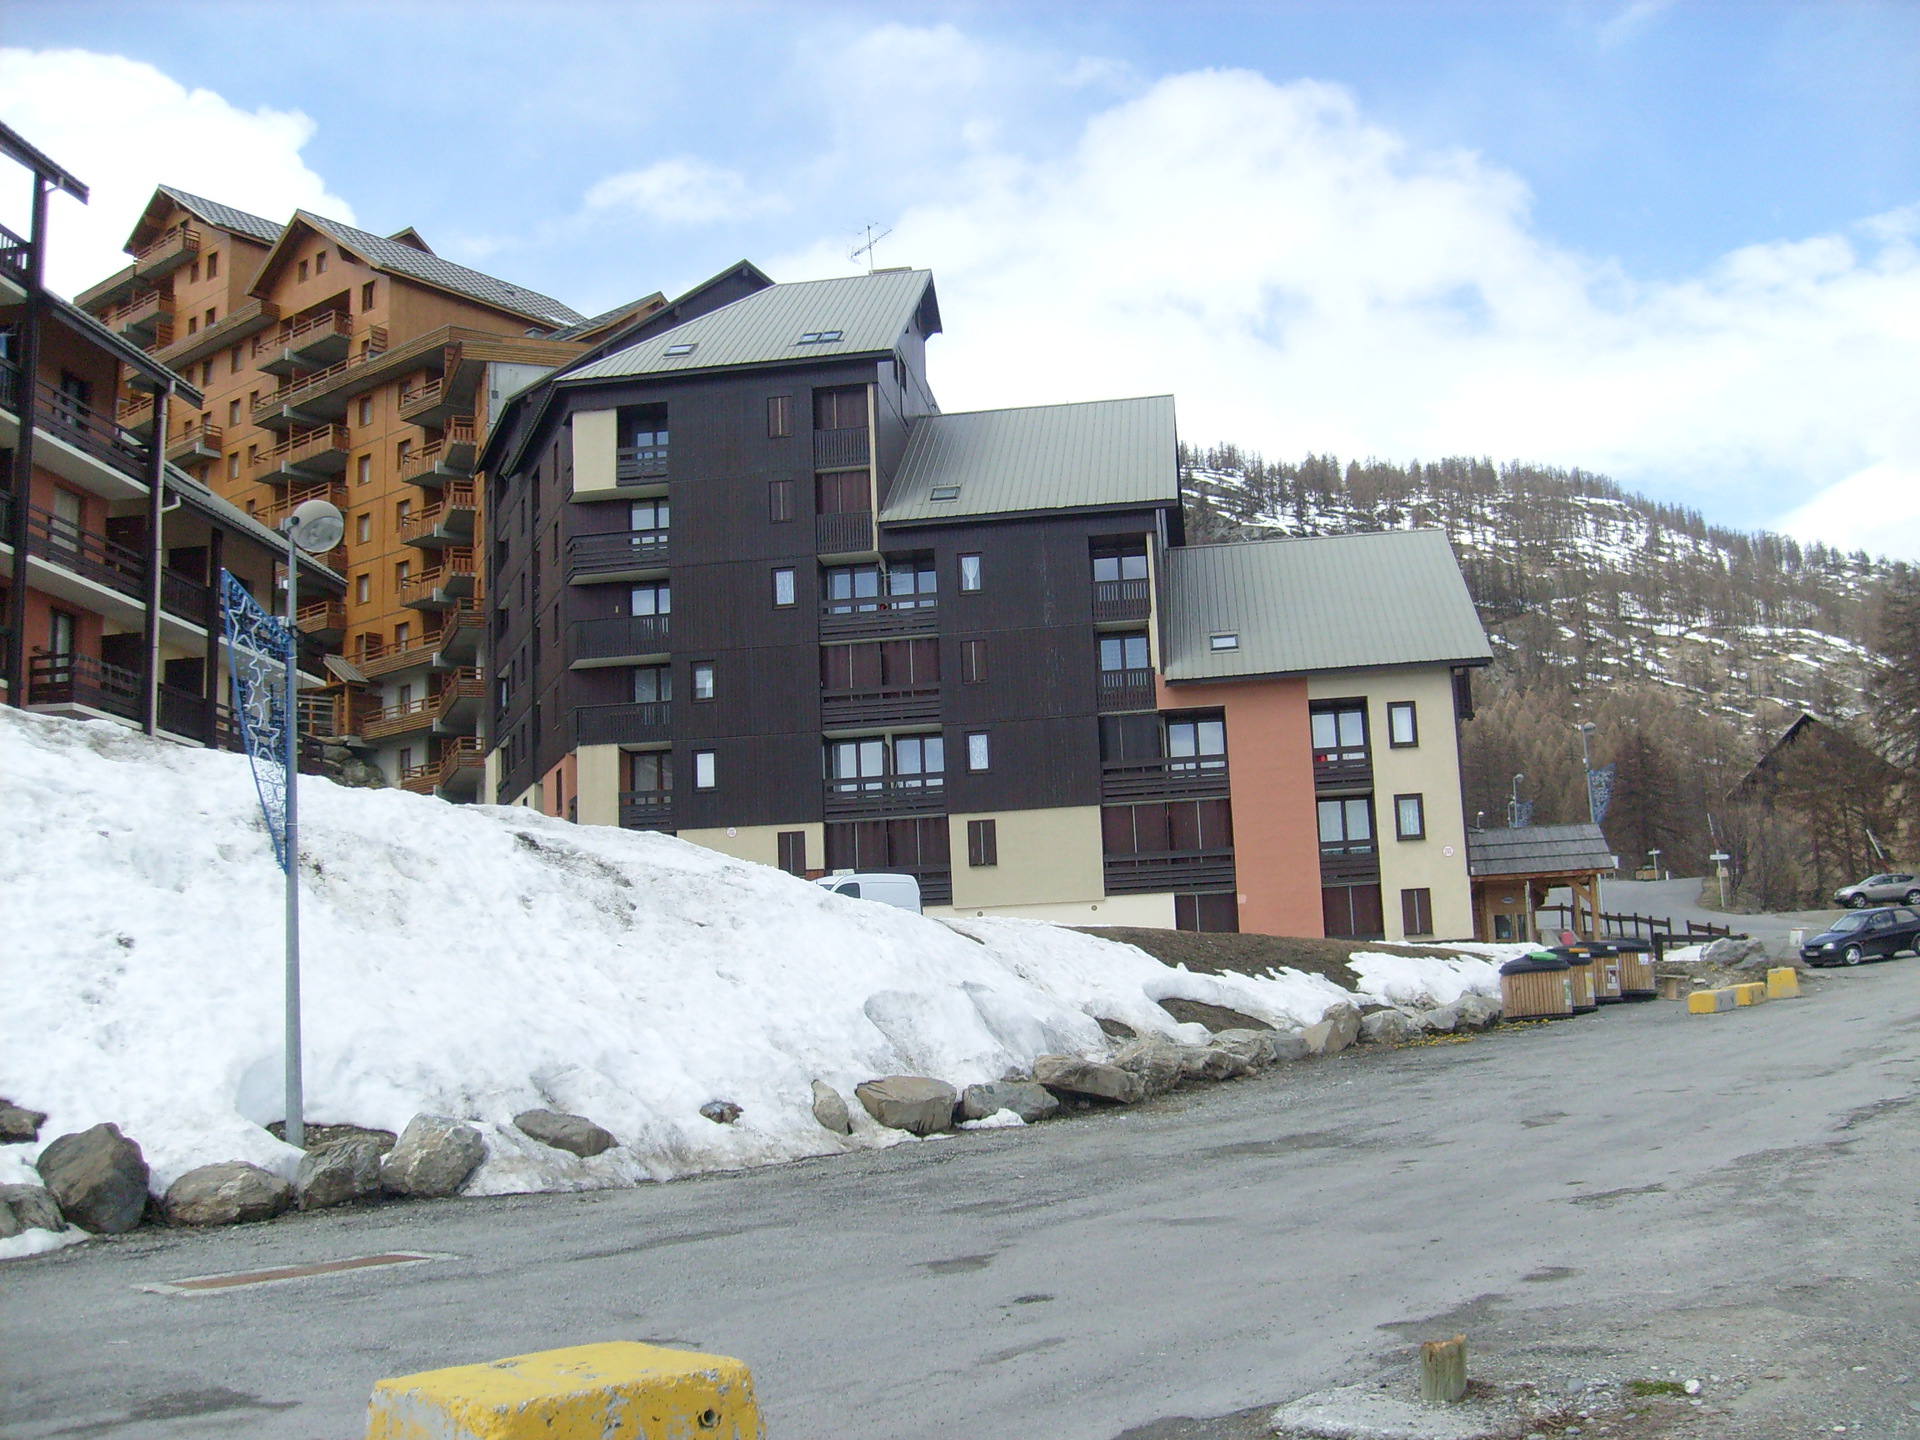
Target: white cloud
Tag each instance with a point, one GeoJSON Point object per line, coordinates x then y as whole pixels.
{"type": "Point", "coordinates": [122, 127]}
{"type": "Point", "coordinates": [1302, 279]}
{"type": "Point", "coordinates": [680, 191]}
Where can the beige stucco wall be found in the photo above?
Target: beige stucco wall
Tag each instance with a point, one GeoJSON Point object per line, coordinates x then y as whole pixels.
{"type": "Point", "coordinates": [1045, 857]}
{"type": "Point", "coordinates": [1430, 769]}
{"type": "Point", "coordinates": [759, 842]}
{"type": "Point", "coordinates": [490, 778]}
{"type": "Point", "coordinates": [595, 437]}
{"type": "Point", "coordinates": [1147, 912]}
{"type": "Point", "coordinates": [597, 774]}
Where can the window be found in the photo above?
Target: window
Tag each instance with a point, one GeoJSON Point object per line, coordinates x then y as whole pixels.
{"type": "Point", "coordinates": [783, 592]}
{"type": "Point", "coordinates": [969, 574]}
{"type": "Point", "coordinates": [401, 510]}
{"type": "Point", "coordinates": [212, 262]}
{"type": "Point", "coordinates": [779, 500]}
{"type": "Point", "coordinates": [792, 845]}
{"type": "Point", "coordinates": [703, 679]}
{"type": "Point", "coordinates": [233, 412]}
{"type": "Point", "coordinates": [1196, 746]}
{"type": "Point", "coordinates": [977, 752]}
{"type": "Point", "coordinates": [644, 516]}
{"type": "Point", "coordinates": [62, 628]}
{"type": "Point", "coordinates": [363, 470]}
{"type": "Point", "coordinates": [920, 759]}
{"type": "Point", "coordinates": [819, 337]}
{"type": "Point", "coordinates": [944, 492]}
{"type": "Point", "coordinates": [1128, 562]}
{"type": "Point", "coordinates": [779, 416]}
{"type": "Point", "coordinates": [652, 684]}
{"type": "Point", "coordinates": [320, 263]}
{"type": "Point", "coordinates": [912, 583]}
{"type": "Point", "coordinates": [193, 273]}
{"type": "Point", "coordinates": [233, 466]}
{"type": "Point", "coordinates": [1416, 912]}
{"type": "Point", "coordinates": [206, 374]}
{"type": "Point", "coordinates": [366, 296]}
{"type": "Point", "coordinates": [842, 492]}
{"type": "Point", "coordinates": [210, 314]}
{"type": "Point", "coordinates": [1403, 725]}
{"type": "Point", "coordinates": [973, 661]}
{"type": "Point", "coordinates": [1410, 817]}
{"type": "Point", "coordinates": [1224, 640]}
{"type": "Point", "coordinates": [1122, 652]}
{"type": "Point", "coordinates": [653, 598]}
{"type": "Point", "coordinates": [363, 589]}
{"type": "Point", "coordinates": [402, 572]}
{"type": "Point", "coordinates": [703, 769]}
{"type": "Point", "coordinates": [193, 324]}
{"type": "Point", "coordinates": [303, 269]}
{"type": "Point", "coordinates": [1346, 827]}
{"type": "Point", "coordinates": [852, 588]}
{"type": "Point", "coordinates": [1340, 734]}
{"type": "Point", "coordinates": [650, 771]}
{"type": "Point", "coordinates": [363, 527]}
{"type": "Point", "coordinates": [235, 360]}
{"type": "Point", "coordinates": [401, 450]}
{"type": "Point", "coordinates": [366, 410]}
{"type": "Point", "coordinates": [402, 633]}
{"type": "Point", "coordinates": [983, 843]}
{"type": "Point", "coordinates": [674, 352]}
{"type": "Point", "coordinates": [841, 409]}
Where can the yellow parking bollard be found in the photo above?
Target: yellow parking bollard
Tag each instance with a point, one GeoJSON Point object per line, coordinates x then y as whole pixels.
{"type": "Point", "coordinates": [1753, 992]}
{"type": "Point", "coordinates": [1783, 983]}
{"type": "Point", "coordinates": [1709, 1002]}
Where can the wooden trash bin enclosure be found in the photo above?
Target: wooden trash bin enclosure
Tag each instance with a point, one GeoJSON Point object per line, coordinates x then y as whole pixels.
{"type": "Point", "coordinates": [1580, 973]}
{"type": "Point", "coordinates": [1536, 987]}
{"type": "Point", "coordinates": [1601, 961]}
{"type": "Point", "coordinates": [1636, 970]}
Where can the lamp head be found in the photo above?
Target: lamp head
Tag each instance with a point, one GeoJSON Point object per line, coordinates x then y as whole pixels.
{"type": "Point", "coordinates": [316, 526]}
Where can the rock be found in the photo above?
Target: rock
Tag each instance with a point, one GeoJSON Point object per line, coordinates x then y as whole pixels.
{"type": "Point", "coordinates": [1338, 1028]}
{"type": "Point", "coordinates": [1214, 1017]}
{"type": "Point", "coordinates": [1254, 1046]}
{"type": "Point", "coordinates": [1289, 1045]}
{"type": "Point", "coordinates": [98, 1178]}
{"type": "Point", "coordinates": [573, 1133]}
{"type": "Point", "coordinates": [1115, 1029]}
{"type": "Point", "coordinates": [1389, 1027]}
{"type": "Point", "coordinates": [433, 1158]}
{"type": "Point", "coordinates": [230, 1193]}
{"type": "Point", "coordinates": [1477, 1012]}
{"type": "Point", "coordinates": [1024, 1098]}
{"type": "Point", "coordinates": [909, 1102]}
{"type": "Point", "coordinates": [340, 1172]}
{"type": "Point", "coordinates": [830, 1109]}
{"type": "Point", "coordinates": [1161, 1064]}
{"type": "Point", "coordinates": [1075, 1076]}
{"type": "Point", "coordinates": [721, 1112]}
{"type": "Point", "coordinates": [1443, 1021]}
{"type": "Point", "coordinates": [1734, 950]}
{"type": "Point", "coordinates": [27, 1207]}
{"type": "Point", "coordinates": [19, 1124]}
{"type": "Point", "coordinates": [1219, 1064]}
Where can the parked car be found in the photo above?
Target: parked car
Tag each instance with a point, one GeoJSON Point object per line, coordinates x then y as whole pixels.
{"type": "Point", "coordinates": [1865, 935]}
{"type": "Point", "coordinates": [900, 890]}
{"type": "Point", "coordinates": [1880, 890]}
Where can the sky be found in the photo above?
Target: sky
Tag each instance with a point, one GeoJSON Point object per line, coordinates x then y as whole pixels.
{"type": "Point", "coordinates": [1673, 241]}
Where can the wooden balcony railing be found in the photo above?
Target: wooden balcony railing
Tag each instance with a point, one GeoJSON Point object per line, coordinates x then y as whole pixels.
{"type": "Point", "coordinates": [83, 680]}
{"type": "Point", "coordinates": [624, 550]}
{"type": "Point", "coordinates": [167, 251]}
{"type": "Point", "coordinates": [323, 326]}
{"type": "Point", "coordinates": [376, 657]}
{"type": "Point", "coordinates": [450, 455]}
{"type": "Point", "coordinates": [1168, 870]}
{"type": "Point", "coordinates": [639, 462]}
{"type": "Point", "coordinates": [60, 542]}
{"type": "Point", "coordinates": [456, 768]}
{"type": "Point", "coordinates": [202, 439]}
{"type": "Point", "coordinates": [137, 318]}
{"type": "Point", "coordinates": [319, 382]}
{"type": "Point", "coordinates": [452, 579]}
{"type": "Point", "coordinates": [1342, 769]}
{"type": "Point", "coordinates": [1126, 690]}
{"type": "Point", "coordinates": [416, 714]}
{"type": "Point", "coordinates": [886, 794]}
{"type": "Point", "coordinates": [879, 615]}
{"type": "Point", "coordinates": [841, 449]}
{"type": "Point", "coordinates": [618, 637]}
{"type": "Point", "coordinates": [322, 617]}
{"type": "Point", "coordinates": [134, 412]}
{"type": "Point", "coordinates": [1357, 862]}
{"type": "Point", "coordinates": [16, 256]}
{"type": "Point", "coordinates": [627, 724]}
{"type": "Point", "coordinates": [332, 491]}
{"type": "Point", "coordinates": [646, 809]}
{"type": "Point", "coordinates": [845, 533]}
{"type": "Point", "coordinates": [422, 396]}
{"type": "Point", "coordinates": [86, 429]}
{"type": "Point", "coordinates": [451, 516]}
{"type": "Point", "coordinates": [323, 448]}
{"type": "Point", "coordinates": [1186, 777]}
{"type": "Point", "coordinates": [1121, 600]}
{"type": "Point", "coordinates": [460, 694]}
{"type": "Point", "coordinates": [880, 705]}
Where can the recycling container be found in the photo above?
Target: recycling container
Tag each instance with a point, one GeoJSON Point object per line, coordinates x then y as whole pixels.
{"type": "Point", "coordinates": [1636, 969]}
{"type": "Point", "coordinates": [1536, 987]}
{"type": "Point", "coordinates": [1580, 974]}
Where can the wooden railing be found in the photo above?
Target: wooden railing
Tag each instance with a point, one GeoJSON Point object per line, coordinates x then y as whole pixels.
{"type": "Point", "coordinates": [1167, 870]}
{"type": "Point", "coordinates": [622, 550]}
{"type": "Point", "coordinates": [301, 447]}
{"type": "Point", "coordinates": [178, 243]}
{"type": "Point", "coordinates": [879, 705]}
{"type": "Point", "coordinates": [1121, 600]}
{"type": "Point", "coordinates": [383, 657]}
{"type": "Point", "coordinates": [85, 680]}
{"type": "Point", "coordinates": [16, 255]}
{"type": "Point", "coordinates": [321, 615]}
{"type": "Point", "coordinates": [414, 714]}
{"type": "Point", "coordinates": [879, 615]}
{"type": "Point", "coordinates": [629, 723]}
{"type": "Point", "coordinates": [872, 794]}
{"type": "Point", "coordinates": [615, 637]}
{"type": "Point", "coordinates": [203, 434]}
{"type": "Point", "coordinates": [1185, 776]}
{"type": "Point", "coordinates": [422, 395]}
{"type": "Point", "coordinates": [1345, 769]}
{"type": "Point", "coordinates": [640, 462]}
{"type": "Point", "coordinates": [841, 449]}
{"type": "Point", "coordinates": [86, 429]}
{"type": "Point", "coordinates": [324, 324]}
{"type": "Point", "coordinates": [1126, 690]}
{"type": "Point", "coordinates": [646, 809]}
{"type": "Point", "coordinates": [319, 381]}
{"type": "Point", "coordinates": [332, 491]}
{"type": "Point", "coordinates": [455, 568]}
{"type": "Point", "coordinates": [432, 456]}
{"type": "Point", "coordinates": [61, 542]}
{"type": "Point", "coordinates": [465, 683]}
{"type": "Point", "coordinates": [459, 495]}
{"type": "Point", "coordinates": [843, 533]}
{"type": "Point", "coordinates": [1653, 928]}
{"type": "Point", "coordinates": [145, 305]}
{"type": "Point", "coordinates": [459, 753]}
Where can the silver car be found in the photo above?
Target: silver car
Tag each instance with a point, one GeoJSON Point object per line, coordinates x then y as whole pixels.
{"type": "Point", "coordinates": [1880, 890]}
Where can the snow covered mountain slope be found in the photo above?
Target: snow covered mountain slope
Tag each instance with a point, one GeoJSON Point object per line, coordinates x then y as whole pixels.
{"type": "Point", "coordinates": [478, 962]}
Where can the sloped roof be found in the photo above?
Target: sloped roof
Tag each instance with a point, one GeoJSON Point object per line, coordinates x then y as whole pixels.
{"type": "Point", "coordinates": [869, 313]}
{"type": "Point", "coordinates": [157, 375]}
{"type": "Point", "coordinates": [1340, 602]}
{"type": "Point", "coordinates": [226, 217]}
{"type": "Point", "coordinates": [1538, 850]}
{"type": "Point", "coordinates": [608, 317]}
{"type": "Point", "coordinates": [1041, 457]}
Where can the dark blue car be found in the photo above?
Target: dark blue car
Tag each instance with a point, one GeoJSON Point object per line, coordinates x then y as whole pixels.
{"type": "Point", "coordinates": [1865, 935]}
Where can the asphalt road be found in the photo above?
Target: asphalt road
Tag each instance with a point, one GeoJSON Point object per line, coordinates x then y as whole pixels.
{"type": "Point", "coordinates": [1636, 1192]}
{"type": "Point", "coordinates": [1679, 901]}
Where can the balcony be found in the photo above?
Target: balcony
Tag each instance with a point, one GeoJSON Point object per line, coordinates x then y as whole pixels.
{"type": "Point", "coordinates": [334, 492]}
{"type": "Point", "coordinates": [188, 714]}
{"type": "Point", "coordinates": [447, 522]}
{"type": "Point", "coordinates": [324, 621]}
{"type": "Point", "coordinates": [321, 716]}
{"type": "Point", "coordinates": [133, 414]}
{"type": "Point", "coordinates": [233, 327]}
{"type": "Point", "coordinates": [458, 702]}
{"type": "Point", "coordinates": [847, 533]}
{"type": "Point", "coordinates": [629, 724]}
{"type": "Point", "coordinates": [1185, 778]}
{"type": "Point", "coordinates": [1119, 600]}
{"type": "Point", "coordinates": [460, 634]}
{"type": "Point", "coordinates": [448, 458]}
{"type": "Point", "coordinates": [636, 464]}
{"type": "Point", "coordinates": [624, 555]}
{"type": "Point", "coordinates": [375, 658]}
{"type": "Point", "coordinates": [886, 795]}
{"type": "Point", "coordinates": [80, 686]}
{"type": "Point", "coordinates": [880, 616]}
{"type": "Point", "coordinates": [616, 638]}
{"type": "Point", "coordinates": [188, 598]}
{"type": "Point", "coordinates": [646, 809]}
{"type": "Point", "coordinates": [88, 431]}
{"type": "Point", "coordinates": [1153, 872]}
{"type": "Point", "coordinates": [313, 343]}
{"type": "Point", "coordinates": [323, 394]}
{"type": "Point", "coordinates": [910, 704]}
{"type": "Point", "coordinates": [143, 318]}
{"type": "Point", "coordinates": [82, 552]}
{"type": "Point", "coordinates": [1357, 862]}
{"type": "Point", "coordinates": [841, 449]}
{"type": "Point", "coordinates": [307, 455]}
{"type": "Point", "coordinates": [454, 774]}
{"type": "Point", "coordinates": [400, 719]}
{"type": "Point", "coordinates": [16, 258]}
{"type": "Point", "coordinates": [431, 404]}
{"type": "Point", "coordinates": [441, 586]}
{"type": "Point", "coordinates": [166, 253]}
{"type": "Point", "coordinates": [1126, 690]}
{"type": "Point", "coordinates": [1343, 769]}
{"type": "Point", "coordinates": [199, 441]}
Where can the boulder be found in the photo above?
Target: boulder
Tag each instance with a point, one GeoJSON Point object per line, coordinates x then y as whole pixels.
{"type": "Point", "coordinates": [1389, 1027]}
{"type": "Point", "coordinates": [1024, 1098]}
{"type": "Point", "coordinates": [573, 1133]}
{"type": "Point", "coordinates": [1161, 1064]}
{"type": "Point", "coordinates": [340, 1172]}
{"type": "Point", "coordinates": [433, 1158]}
{"type": "Point", "coordinates": [1256, 1047]}
{"type": "Point", "coordinates": [1074, 1076]}
{"type": "Point", "coordinates": [1443, 1021]}
{"type": "Point", "coordinates": [230, 1193]}
{"type": "Point", "coordinates": [27, 1207]}
{"type": "Point", "coordinates": [1289, 1045]}
{"type": "Point", "coordinates": [830, 1109]}
{"type": "Point", "coordinates": [909, 1102]}
{"type": "Point", "coordinates": [1216, 1063]}
{"type": "Point", "coordinates": [19, 1124]}
{"type": "Point", "coordinates": [1338, 1028]}
{"type": "Point", "coordinates": [1734, 951]}
{"type": "Point", "coordinates": [98, 1178]}
{"type": "Point", "coordinates": [1477, 1012]}
{"type": "Point", "coordinates": [721, 1112]}
{"type": "Point", "coordinates": [1214, 1017]}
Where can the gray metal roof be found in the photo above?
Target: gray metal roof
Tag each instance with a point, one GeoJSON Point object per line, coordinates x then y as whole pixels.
{"type": "Point", "coordinates": [1538, 850]}
{"type": "Point", "coordinates": [870, 312]}
{"type": "Point", "coordinates": [224, 216]}
{"type": "Point", "coordinates": [404, 259]}
{"type": "Point", "coordinates": [1340, 602]}
{"type": "Point", "coordinates": [1041, 457]}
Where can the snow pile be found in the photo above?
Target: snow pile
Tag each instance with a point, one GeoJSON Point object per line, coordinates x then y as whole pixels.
{"type": "Point", "coordinates": [1409, 980]}
{"type": "Point", "coordinates": [478, 962]}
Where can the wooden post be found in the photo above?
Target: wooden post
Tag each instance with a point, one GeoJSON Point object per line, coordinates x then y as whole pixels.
{"type": "Point", "coordinates": [1443, 1370]}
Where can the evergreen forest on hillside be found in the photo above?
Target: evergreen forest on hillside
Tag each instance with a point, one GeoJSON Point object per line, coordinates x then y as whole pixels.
{"type": "Point", "coordinates": [1691, 648]}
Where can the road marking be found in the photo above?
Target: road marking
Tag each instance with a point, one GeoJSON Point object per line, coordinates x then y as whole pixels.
{"type": "Point", "coordinates": [214, 1284]}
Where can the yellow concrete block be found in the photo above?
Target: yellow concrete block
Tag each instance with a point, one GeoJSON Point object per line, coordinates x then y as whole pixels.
{"type": "Point", "coordinates": [620, 1390]}
{"type": "Point", "coordinates": [1783, 983]}
{"type": "Point", "coordinates": [1753, 992]}
{"type": "Point", "coordinates": [1709, 1002]}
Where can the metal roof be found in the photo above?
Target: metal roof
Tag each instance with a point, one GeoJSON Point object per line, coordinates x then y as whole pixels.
{"type": "Point", "coordinates": [403, 259]}
{"type": "Point", "coordinates": [1041, 457]}
{"type": "Point", "coordinates": [864, 314]}
{"type": "Point", "coordinates": [157, 376]}
{"type": "Point", "coordinates": [1340, 602]}
{"type": "Point", "coordinates": [1538, 850]}
{"type": "Point", "coordinates": [224, 216]}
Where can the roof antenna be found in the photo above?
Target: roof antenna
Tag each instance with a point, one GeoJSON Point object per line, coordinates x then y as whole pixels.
{"type": "Point", "coordinates": [867, 249]}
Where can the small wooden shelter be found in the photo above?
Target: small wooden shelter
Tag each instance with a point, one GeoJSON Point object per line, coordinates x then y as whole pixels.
{"type": "Point", "coordinates": [1512, 871]}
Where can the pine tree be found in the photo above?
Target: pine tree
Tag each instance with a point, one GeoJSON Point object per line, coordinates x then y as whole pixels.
{"type": "Point", "coordinates": [1896, 672]}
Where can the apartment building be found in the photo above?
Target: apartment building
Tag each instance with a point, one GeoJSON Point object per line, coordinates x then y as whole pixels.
{"type": "Point", "coordinates": [749, 585]}
{"type": "Point", "coordinates": [109, 555]}
{"type": "Point", "coordinates": [330, 362]}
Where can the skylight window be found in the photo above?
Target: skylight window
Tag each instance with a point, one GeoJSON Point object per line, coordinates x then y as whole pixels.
{"type": "Point", "coordinates": [1224, 640]}
{"type": "Point", "coordinates": [820, 337]}
{"type": "Point", "coordinates": [675, 350]}
{"type": "Point", "coordinates": [944, 492]}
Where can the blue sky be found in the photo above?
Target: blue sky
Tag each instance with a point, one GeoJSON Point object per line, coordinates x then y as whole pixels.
{"type": "Point", "coordinates": [1672, 241]}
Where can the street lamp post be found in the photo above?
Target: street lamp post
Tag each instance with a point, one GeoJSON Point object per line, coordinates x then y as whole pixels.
{"type": "Point", "coordinates": [1513, 804]}
{"type": "Point", "coordinates": [1586, 729]}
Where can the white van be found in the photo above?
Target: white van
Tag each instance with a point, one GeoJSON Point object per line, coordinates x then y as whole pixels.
{"type": "Point", "coordinates": [900, 890]}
